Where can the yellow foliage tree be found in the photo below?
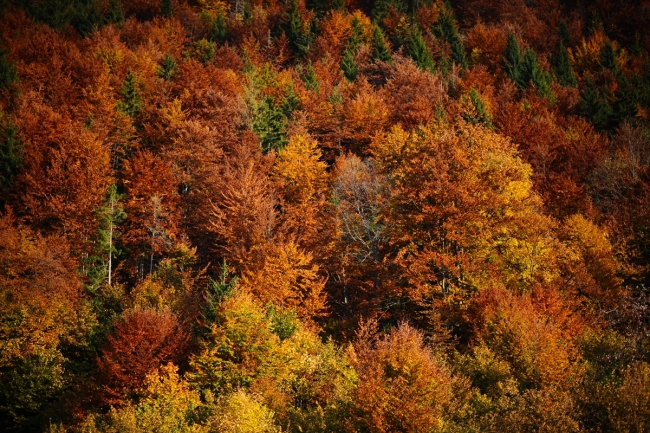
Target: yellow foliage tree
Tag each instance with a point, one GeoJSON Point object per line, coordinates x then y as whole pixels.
{"type": "Point", "coordinates": [288, 279]}
{"type": "Point", "coordinates": [463, 214]}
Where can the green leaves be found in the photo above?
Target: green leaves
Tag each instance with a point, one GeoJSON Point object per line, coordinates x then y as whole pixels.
{"type": "Point", "coordinates": [11, 150]}
{"type": "Point", "coordinates": [8, 71]}
{"type": "Point", "coordinates": [418, 50]}
{"type": "Point", "coordinates": [294, 28]}
{"type": "Point", "coordinates": [131, 103]}
{"type": "Point", "coordinates": [524, 69]}
{"type": "Point", "coordinates": [168, 69]}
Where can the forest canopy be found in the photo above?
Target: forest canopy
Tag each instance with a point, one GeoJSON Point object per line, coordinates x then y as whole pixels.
{"type": "Point", "coordinates": [324, 216]}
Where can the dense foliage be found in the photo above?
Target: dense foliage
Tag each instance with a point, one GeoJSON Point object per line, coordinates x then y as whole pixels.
{"type": "Point", "coordinates": [324, 216]}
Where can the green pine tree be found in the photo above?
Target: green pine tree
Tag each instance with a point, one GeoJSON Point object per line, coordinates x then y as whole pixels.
{"type": "Point", "coordinates": [168, 69]}
{"type": "Point", "coordinates": [563, 70]}
{"type": "Point", "coordinates": [480, 114]}
{"type": "Point", "coordinates": [535, 75]}
{"type": "Point", "coordinates": [380, 50]}
{"type": "Point", "coordinates": [348, 65]}
{"type": "Point", "coordinates": [219, 28]}
{"type": "Point", "coordinates": [310, 78]}
{"type": "Point", "coordinates": [202, 51]}
{"type": "Point", "coordinates": [166, 8]}
{"type": "Point", "coordinates": [131, 104]}
{"type": "Point", "coordinates": [628, 98]}
{"type": "Point", "coordinates": [447, 30]}
{"type": "Point", "coordinates": [513, 62]}
{"type": "Point", "coordinates": [608, 57]}
{"type": "Point", "coordinates": [270, 124]}
{"type": "Point", "coordinates": [86, 17]}
{"type": "Point", "coordinates": [564, 34]}
{"type": "Point", "coordinates": [8, 71]}
{"type": "Point", "coordinates": [380, 10]}
{"type": "Point", "coordinates": [419, 51]}
{"type": "Point", "coordinates": [11, 152]}
{"type": "Point", "coordinates": [595, 106]}
{"type": "Point", "coordinates": [338, 5]}
{"type": "Point", "coordinates": [115, 13]}
{"type": "Point", "coordinates": [292, 25]}
{"type": "Point", "coordinates": [217, 291]}
{"type": "Point", "coordinates": [99, 267]}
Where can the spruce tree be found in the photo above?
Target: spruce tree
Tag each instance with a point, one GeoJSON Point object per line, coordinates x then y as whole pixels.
{"type": "Point", "coordinates": [8, 71]}
{"type": "Point", "coordinates": [595, 106]}
{"type": "Point", "coordinates": [535, 75]}
{"type": "Point", "coordinates": [293, 28]}
{"type": "Point", "coordinates": [270, 124]}
{"type": "Point", "coordinates": [86, 17]}
{"type": "Point", "coordinates": [219, 28]}
{"type": "Point", "coordinates": [338, 5]}
{"type": "Point", "coordinates": [131, 103]}
{"type": "Point", "coordinates": [168, 69]}
{"type": "Point", "coordinates": [563, 70]}
{"type": "Point", "coordinates": [513, 62]}
{"type": "Point", "coordinates": [419, 51]}
{"type": "Point", "coordinates": [627, 97]}
{"type": "Point", "coordinates": [166, 8]}
{"type": "Point", "coordinates": [115, 13]}
{"type": "Point", "coordinates": [608, 57]}
{"type": "Point", "coordinates": [564, 34]}
{"type": "Point", "coordinates": [480, 114]}
{"type": "Point", "coordinates": [447, 30]}
{"type": "Point", "coordinates": [379, 10]}
{"type": "Point", "coordinates": [310, 78]}
{"type": "Point", "coordinates": [348, 65]}
{"type": "Point", "coordinates": [11, 152]}
{"type": "Point", "coordinates": [380, 50]}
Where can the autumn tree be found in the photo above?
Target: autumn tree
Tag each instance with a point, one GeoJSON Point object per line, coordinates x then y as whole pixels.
{"type": "Point", "coordinates": [402, 386]}
{"type": "Point", "coordinates": [141, 341]}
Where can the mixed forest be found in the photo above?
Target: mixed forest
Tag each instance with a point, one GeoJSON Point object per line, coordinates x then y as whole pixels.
{"type": "Point", "coordinates": [257, 216]}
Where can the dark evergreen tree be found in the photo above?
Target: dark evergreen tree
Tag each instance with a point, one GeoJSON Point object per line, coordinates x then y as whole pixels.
{"type": "Point", "coordinates": [338, 5]}
{"type": "Point", "coordinates": [447, 30]}
{"type": "Point", "coordinates": [11, 152]}
{"type": "Point", "coordinates": [563, 69]}
{"type": "Point", "coordinates": [513, 62]}
{"type": "Point", "coordinates": [8, 71]}
{"type": "Point", "coordinates": [418, 50]}
{"type": "Point", "coordinates": [535, 75]}
{"type": "Point", "coordinates": [380, 50]}
{"type": "Point", "coordinates": [627, 99]}
{"type": "Point", "coordinates": [166, 8]}
{"type": "Point", "coordinates": [595, 106]}
{"type": "Point", "coordinates": [203, 51]}
{"type": "Point", "coordinates": [318, 6]}
{"type": "Point", "coordinates": [219, 28]}
{"type": "Point", "coordinates": [217, 291]}
{"type": "Point", "coordinates": [564, 34]}
{"type": "Point", "coordinates": [357, 34]}
{"type": "Point", "coordinates": [292, 25]}
{"type": "Point", "coordinates": [348, 65]}
{"type": "Point", "coordinates": [115, 13]}
{"type": "Point", "coordinates": [310, 78]}
{"type": "Point", "coordinates": [270, 124]}
{"type": "Point", "coordinates": [379, 10]}
{"type": "Point", "coordinates": [168, 68]}
{"type": "Point", "coordinates": [480, 114]}
{"type": "Point", "coordinates": [131, 102]}
{"type": "Point", "coordinates": [608, 57]}
{"type": "Point", "coordinates": [86, 17]}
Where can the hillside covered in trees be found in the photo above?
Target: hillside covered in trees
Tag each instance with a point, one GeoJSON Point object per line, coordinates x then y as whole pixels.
{"type": "Point", "coordinates": [262, 216]}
